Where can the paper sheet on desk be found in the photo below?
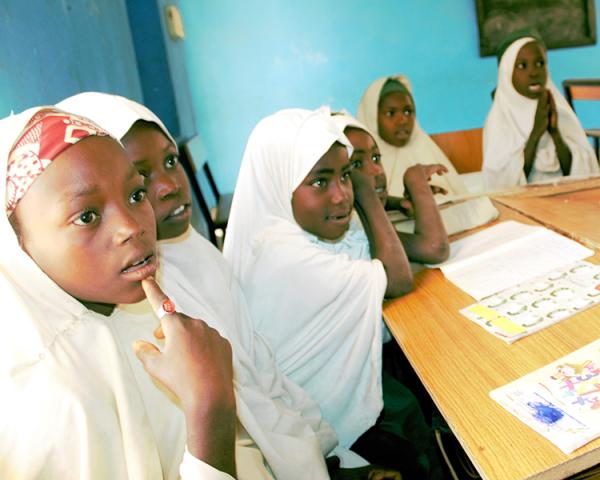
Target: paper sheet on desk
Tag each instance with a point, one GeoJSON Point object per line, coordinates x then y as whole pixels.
{"type": "Point", "coordinates": [505, 255]}
{"type": "Point", "coordinates": [561, 400]}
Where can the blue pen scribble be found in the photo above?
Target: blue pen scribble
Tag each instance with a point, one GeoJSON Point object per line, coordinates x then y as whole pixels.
{"type": "Point", "coordinates": [545, 412]}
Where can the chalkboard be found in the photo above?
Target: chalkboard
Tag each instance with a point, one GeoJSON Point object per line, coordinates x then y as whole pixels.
{"type": "Point", "coordinates": [561, 23]}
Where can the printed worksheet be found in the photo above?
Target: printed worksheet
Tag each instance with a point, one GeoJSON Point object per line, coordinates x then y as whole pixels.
{"type": "Point", "coordinates": [526, 308]}
{"type": "Point", "coordinates": [560, 401]}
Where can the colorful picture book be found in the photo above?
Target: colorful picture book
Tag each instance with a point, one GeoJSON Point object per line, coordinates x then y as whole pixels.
{"type": "Point", "coordinates": [538, 303]}
{"type": "Point", "coordinates": [560, 401]}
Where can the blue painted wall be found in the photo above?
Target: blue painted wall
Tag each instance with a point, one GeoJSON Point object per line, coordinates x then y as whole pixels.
{"type": "Point", "coordinates": [53, 49]}
{"type": "Point", "coordinates": [161, 65]}
{"type": "Point", "coordinates": [248, 59]}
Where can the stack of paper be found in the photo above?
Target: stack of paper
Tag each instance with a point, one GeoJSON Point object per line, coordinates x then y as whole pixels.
{"type": "Point", "coordinates": [561, 401]}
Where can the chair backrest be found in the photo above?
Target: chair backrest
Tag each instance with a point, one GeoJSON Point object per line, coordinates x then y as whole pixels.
{"type": "Point", "coordinates": [464, 148]}
{"type": "Point", "coordinates": [581, 89]}
{"type": "Point", "coordinates": [189, 151]}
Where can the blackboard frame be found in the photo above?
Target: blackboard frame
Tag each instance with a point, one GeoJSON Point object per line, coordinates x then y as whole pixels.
{"type": "Point", "coordinates": [498, 18]}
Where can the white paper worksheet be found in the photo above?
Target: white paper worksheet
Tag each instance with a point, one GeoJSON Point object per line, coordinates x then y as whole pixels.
{"type": "Point", "coordinates": [506, 255]}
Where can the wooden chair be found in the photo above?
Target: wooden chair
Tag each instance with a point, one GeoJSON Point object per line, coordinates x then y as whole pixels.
{"type": "Point", "coordinates": [215, 209]}
{"type": "Point", "coordinates": [464, 148]}
{"type": "Point", "coordinates": [584, 89]}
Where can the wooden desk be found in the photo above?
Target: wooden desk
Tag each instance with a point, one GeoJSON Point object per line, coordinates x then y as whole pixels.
{"type": "Point", "coordinates": [574, 212]}
{"type": "Point", "coordinates": [460, 363]}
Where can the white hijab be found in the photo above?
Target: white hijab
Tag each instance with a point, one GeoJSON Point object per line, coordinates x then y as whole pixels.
{"type": "Point", "coordinates": [279, 416]}
{"type": "Point", "coordinates": [75, 401]}
{"type": "Point", "coordinates": [317, 303]}
{"type": "Point", "coordinates": [509, 124]}
{"type": "Point", "coordinates": [419, 149]}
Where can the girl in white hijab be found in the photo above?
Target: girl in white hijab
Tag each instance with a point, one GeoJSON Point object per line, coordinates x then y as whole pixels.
{"type": "Point", "coordinates": [277, 414]}
{"type": "Point", "coordinates": [76, 402]}
{"type": "Point", "coordinates": [531, 134]}
{"type": "Point", "coordinates": [428, 243]}
{"type": "Point", "coordinates": [387, 108]}
{"type": "Point", "coordinates": [314, 291]}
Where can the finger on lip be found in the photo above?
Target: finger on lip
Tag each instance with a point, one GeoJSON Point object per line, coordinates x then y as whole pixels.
{"type": "Point", "coordinates": [153, 292]}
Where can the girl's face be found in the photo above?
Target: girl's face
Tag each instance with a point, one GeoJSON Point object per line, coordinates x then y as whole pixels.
{"type": "Point", "coordinates": [155, 157]}
{"type": "Point", "coordinates": [529, 73]}
{"type": "Point", "coordinates": [87, 224]}
{"type": "Point", "coordinates": [322, 203]}
{"type": "Point", "coordinates": [366, 158]}
{"type": "Point", "coordinates": [396, 118]}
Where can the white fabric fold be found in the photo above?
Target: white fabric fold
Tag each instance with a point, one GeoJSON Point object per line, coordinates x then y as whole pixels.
{"type": "Point", "coordinates": [508, 127]}
{"type": "Point", "coordinates": [317, 303]}
{"type": "Point", "coordinates": [419, 149]}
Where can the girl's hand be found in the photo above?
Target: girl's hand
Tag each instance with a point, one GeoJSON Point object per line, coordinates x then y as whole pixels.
{"type": "Point", "coordinates": [420, 174]}
{"type": "Point", "coordinates": [552, 115]}
{"type": "Point", "coordinates": [195, 365]}
{"type": "Point", "coordinates": [362, 184]}
{"type": "Point", "coordinates": [542, 114]}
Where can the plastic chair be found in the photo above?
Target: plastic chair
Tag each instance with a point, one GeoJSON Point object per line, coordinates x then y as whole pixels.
{"type": "Point", "coordinates": [464, 148]}
{"type": "Point", "coordinates": [584, 89]}
{"type": "Point", "coordinates": [215, 213]}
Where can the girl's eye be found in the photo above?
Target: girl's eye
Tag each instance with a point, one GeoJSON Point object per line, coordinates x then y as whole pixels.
{"type": "Point", "coordinates": [319, 183]}
{"type": "Point", "coordinates": [345, 177]}
{"type": "Point", "coordinates": [86, 217]}
{"type": "Point", "coordinates": [521, 65]}
{"type": "Point", "coordinates": [138, 196]}
{"type": "Point", "coordinates": [356, 164]}
{"type": "Point", "coordinates": [389, 113]}
{"type": "Point", "coordinates": [408, 112]}
{"type": "Point", "coordinates": [540, 63]}
{"type": "Point", "coordinates": [171, 161]}
{"type": "Point", "coordinates": [376, 159]}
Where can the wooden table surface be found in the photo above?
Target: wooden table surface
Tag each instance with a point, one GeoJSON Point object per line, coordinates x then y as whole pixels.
{"type": "Point", "coordinates": [574, 213]}
{"type": "Point", "coordinates": [460, 363]}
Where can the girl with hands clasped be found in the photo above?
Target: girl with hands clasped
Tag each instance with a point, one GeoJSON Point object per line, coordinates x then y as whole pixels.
{"type": "Point", "coordinates": [531, 134]}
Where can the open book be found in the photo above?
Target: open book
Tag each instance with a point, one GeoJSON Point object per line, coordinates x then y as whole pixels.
{"type": "Point", "coordinates": [506, 255]}
{"type": "Point", "coordinates": [560, 401]}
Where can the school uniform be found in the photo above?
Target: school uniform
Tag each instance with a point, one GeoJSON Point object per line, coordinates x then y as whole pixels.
{"type": "Point", "coordinates": [508, 127]}
{"type": "Point", "coordinates": [317, 303]}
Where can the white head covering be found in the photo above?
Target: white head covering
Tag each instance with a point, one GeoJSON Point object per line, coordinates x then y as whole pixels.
{"type": "Point", "coordinates": [343, 120]}
{"type": "Point", "coordinates": [71, 405]}
{"type": "Point", "coordinates": [509, 124]}
{"type": "Point", "coordinates": [118, 113]}
{"type": "Point", "coordinates": [419, 149]}
{"type": "Point", "coordinates": [279, 416]}
{"type": "Point", "coordinates": [317, 303]}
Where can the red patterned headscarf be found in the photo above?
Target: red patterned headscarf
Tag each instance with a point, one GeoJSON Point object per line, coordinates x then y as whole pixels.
{"type": "Point", "coordinates": [48, 133]}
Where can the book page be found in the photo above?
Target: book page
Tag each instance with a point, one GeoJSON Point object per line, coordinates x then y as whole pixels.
{"type": "Point", "coordinates": [506, 255]}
